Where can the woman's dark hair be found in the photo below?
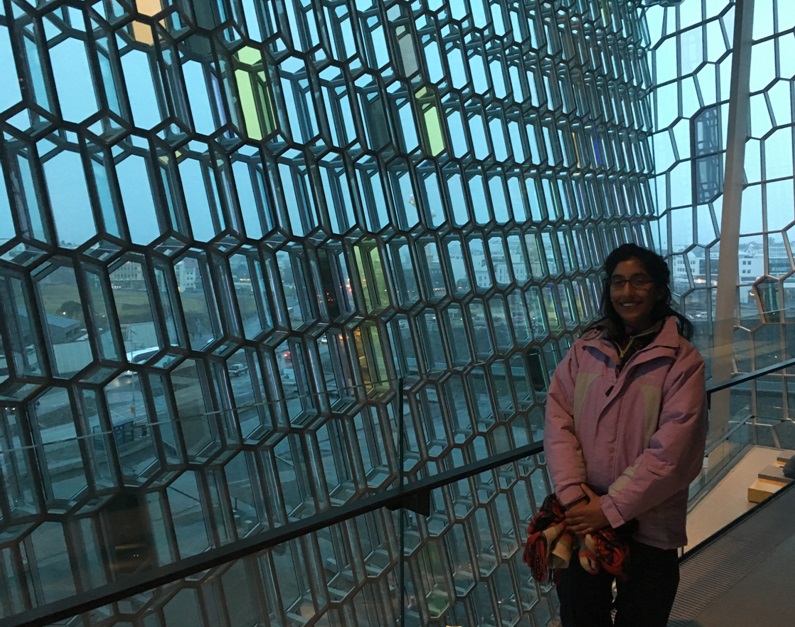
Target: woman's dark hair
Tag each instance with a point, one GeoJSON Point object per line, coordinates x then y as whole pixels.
{"type": "Point", "coordinates": [658, 270]}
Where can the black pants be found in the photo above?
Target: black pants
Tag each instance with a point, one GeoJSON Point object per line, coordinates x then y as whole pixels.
{"type": "Point", "coordinates": [644, 598]}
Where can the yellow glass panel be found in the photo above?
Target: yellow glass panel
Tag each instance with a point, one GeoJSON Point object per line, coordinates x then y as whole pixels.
{"type": "Point", "coordinates": [373, 278]}
{"type": "Point", "coordinates": [149, 7]}
{"type": "Point", "coordinates": [142, 31]}
{"type": "Point", "coordinates": [553, 315]}
{"type": "Point", "coordinates": [360, 265]}
{"type": "Point", "coordinates": [370, 355]}
{"type": "Point", "coordinates": [379, 279]}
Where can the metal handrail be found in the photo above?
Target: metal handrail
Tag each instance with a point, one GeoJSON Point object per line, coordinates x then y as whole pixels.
{"type": "Point", "coordinates": [749, 376]}
{"type": "Point", "coordinates": [402, 496]}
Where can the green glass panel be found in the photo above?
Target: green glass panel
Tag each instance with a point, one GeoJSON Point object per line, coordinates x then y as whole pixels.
{"type": "Point", "coordinates": [256, 99]}
{"type": "Point", "coordinates": [431, 121]}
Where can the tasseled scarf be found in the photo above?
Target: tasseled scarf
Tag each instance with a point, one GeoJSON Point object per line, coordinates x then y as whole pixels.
{"type": "Point", "coordinates": [549, 546]}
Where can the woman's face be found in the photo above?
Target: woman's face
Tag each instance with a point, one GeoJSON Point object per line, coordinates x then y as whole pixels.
{"type": "Point", "coordinates": [633, 294]}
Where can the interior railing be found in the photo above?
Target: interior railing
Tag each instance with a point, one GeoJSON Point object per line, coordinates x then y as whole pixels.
{"type": "Point", "coordinates": [759, 414]}
{"type": "Point", "coordinates": [406, 511]}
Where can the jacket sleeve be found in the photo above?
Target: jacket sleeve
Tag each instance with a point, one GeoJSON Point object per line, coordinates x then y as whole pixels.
{"type": "Point", "coordinates": [675, 453]}
{"type": "Point", "coordinates": [561, 447]}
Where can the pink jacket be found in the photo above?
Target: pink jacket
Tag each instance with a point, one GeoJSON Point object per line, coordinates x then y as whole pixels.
{"type": "Point", "coordinates": [635, 436]}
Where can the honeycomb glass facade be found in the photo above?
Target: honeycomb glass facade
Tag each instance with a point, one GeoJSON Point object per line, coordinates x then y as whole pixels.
{"type": "Point", "coordinates": [261, 259]}
{"type": "Point", "coordinates": [693, 51]}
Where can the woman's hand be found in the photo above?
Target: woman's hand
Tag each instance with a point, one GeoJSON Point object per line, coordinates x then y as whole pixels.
{"type": "Point", "coordinates": [586, 516]}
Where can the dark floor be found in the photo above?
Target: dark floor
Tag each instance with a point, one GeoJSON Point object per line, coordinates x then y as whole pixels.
{"type": "Point", "coordinates": [745, 575]}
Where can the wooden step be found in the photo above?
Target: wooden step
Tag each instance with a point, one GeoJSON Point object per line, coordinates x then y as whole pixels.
{"type": "Point", "coordinates": [762, 489]}
{"type": "Point", "coordinates": [775, 473]}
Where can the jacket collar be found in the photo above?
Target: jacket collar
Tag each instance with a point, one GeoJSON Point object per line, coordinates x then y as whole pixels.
{"type": "Point", "coordinates": [668, 337]}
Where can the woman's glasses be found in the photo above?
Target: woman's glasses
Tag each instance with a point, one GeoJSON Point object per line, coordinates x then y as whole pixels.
{"type": "Point", "coordinates": [637, 281]}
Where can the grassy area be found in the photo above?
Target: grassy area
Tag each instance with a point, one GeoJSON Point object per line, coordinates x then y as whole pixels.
{"type": "Point", "coordinates": [134, 305]}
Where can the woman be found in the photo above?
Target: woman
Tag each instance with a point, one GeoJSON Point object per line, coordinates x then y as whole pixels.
{"type": "Point", "coordinates": [624, 436]}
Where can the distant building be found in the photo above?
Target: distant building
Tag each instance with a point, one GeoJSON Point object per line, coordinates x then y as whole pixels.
{"type": "Point", "coordinates": [188, 275]}
{"type": "Point", "coordinates": [751, 265]}
{"type": "Point", "coordinates": [128, 276]}
{"type": "Point", "coordinates": [60, 328]}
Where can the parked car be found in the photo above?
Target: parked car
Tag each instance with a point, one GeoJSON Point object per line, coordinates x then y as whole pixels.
{"type": "Point", "coordinates": [237, 370]}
